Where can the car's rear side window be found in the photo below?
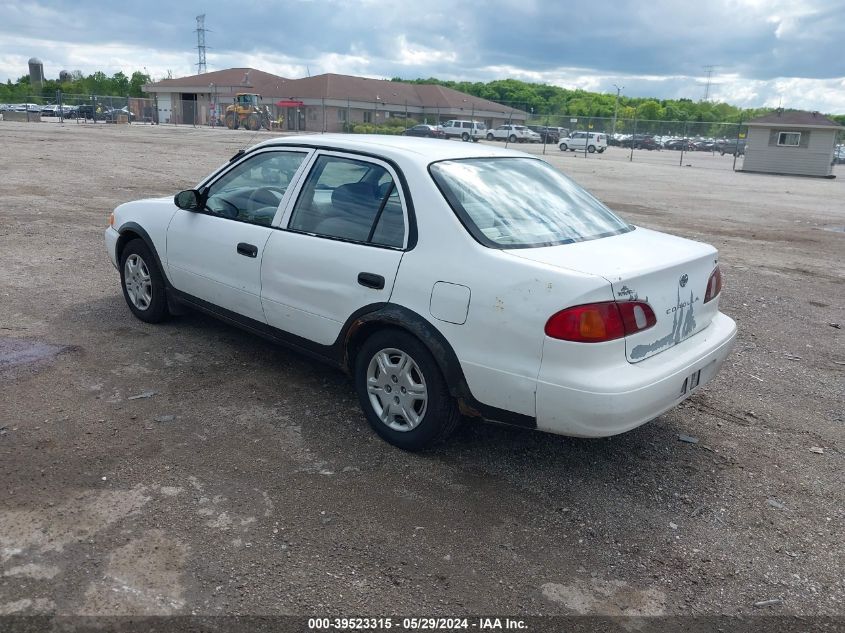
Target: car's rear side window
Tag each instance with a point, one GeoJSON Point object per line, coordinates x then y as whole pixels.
{"type": "Point", "coordinates": [522, 203]}
{"type": "Point", "coordinates": [351, 200]}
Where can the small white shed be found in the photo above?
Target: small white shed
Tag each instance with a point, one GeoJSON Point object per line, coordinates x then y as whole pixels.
{"type": "Point", "coordinates": [791, 142]}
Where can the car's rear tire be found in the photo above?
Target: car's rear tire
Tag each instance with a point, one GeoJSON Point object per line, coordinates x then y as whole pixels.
{"type": "Point", "coordinates": [402, 391]}
{"type": "Point", "coordinates": [591, 149]}
{"type": "Point", "coordinates": [464, 137]}
{"type": "Point", "coordinates": [563, 147]}
{"type": "Point", "coordinates": [490, 136]}
{"type": "Point", "coordinates": [142, 283]}
{"type": "Point", "coordinates": [512, 138]}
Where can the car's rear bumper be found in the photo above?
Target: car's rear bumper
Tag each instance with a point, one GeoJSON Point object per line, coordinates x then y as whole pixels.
{"type": "Point", "coordinates": [601, 399]}
{"type": "Point", "coordinates": [111, 245]}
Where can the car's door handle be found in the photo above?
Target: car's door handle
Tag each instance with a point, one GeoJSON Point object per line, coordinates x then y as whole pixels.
{"type": "Point", "coordinates": [248, 250]}
{"type": "Point", "coordinates": [371, 280]}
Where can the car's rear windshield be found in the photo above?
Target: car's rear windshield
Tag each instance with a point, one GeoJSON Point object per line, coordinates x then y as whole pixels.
{"type": "Point", "coordinates": [522, 203]}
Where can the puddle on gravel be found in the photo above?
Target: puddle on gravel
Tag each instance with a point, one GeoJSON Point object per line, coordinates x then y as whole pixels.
{"type": "Point", "coordinates": [16, 351]}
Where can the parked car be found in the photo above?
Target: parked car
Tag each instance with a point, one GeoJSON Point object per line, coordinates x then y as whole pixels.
{"type": "Point", "coordinates": [89, 111]}
{"type": "Point", "coordinates": [548, 135]}
{"type": "Point", "coordinates": [678, 144]}
{"type": "Point", "coordinates": [592, 141]}
{"type": "Point", "coordinates": [428, 131]}
{"type": "Point", "coordinates": [465, 130]}
{"type": "Point", "coordinates": [734, 147]}
{"type": "Point", "coordinates": [513, 134]}
{"type": "Point", "coordinates": [641, 141]}
{"type": "Point", "coordinates": [346, 247]}
{"type": "Point", "coordinates": [113, 114]}
{"type": "Point", "coordinates": [704, 145]}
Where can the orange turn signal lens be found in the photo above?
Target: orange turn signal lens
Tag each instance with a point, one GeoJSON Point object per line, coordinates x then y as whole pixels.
{"type": "Point", "coordinates": [111, 219]}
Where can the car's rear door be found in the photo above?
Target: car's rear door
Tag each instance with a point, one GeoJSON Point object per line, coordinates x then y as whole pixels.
{"type": "Point", "coordinates": [339, 246]}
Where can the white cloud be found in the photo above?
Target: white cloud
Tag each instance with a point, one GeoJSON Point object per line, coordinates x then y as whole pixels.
{"type": "Point", "coordinates": [418, 55]}
{"type": "Point", "coordinates": [764, 50]}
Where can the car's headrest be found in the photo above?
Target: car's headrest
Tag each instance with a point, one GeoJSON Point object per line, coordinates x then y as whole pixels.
{"type": "Point", "coordinates": [356, 197]}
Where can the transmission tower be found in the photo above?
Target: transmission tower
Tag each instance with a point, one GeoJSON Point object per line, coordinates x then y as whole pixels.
{"type": "Point", "coordinates": [708, 71]}
{"type": "Point", "coordinates": [201, 66]}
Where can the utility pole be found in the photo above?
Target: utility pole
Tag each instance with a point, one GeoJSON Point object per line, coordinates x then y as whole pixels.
{"type": "Point", "coordinates": [616, 107]}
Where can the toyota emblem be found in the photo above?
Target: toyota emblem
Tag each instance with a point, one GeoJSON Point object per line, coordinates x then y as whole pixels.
{"type": "Point", "coordinates": [684, 280]}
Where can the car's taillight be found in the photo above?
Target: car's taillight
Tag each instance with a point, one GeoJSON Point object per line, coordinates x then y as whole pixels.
{"type": "Point", "coordinates": [714, 285]}
{"type": "Point", "coordinates": [599, 322]}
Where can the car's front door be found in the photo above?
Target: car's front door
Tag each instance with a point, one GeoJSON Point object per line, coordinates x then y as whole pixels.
{"type": "Point", "coordinates": [339, 248]}
{"type": "Point", "coordinates": [215, 254]}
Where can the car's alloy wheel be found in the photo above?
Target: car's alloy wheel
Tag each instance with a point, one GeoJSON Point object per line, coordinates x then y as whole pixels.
{"type": "Point", "coordinates": [464, 137]}
{"type": "Point", "coordinates": [563, 147]}
{"type": "Point", "coordinates": [591, 149]}
{"type": "Point", "coordinates": [512, 138]}
{"type": "Point", "coordinates": [143, 283]}
{"type": "Point", "coordinates": [402, 391]}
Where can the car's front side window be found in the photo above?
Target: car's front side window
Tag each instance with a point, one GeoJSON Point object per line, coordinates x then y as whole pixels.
{"type": "Point", "coordinates": [351, 200]}
{"type": "Point", "coordinates": [252, 190]}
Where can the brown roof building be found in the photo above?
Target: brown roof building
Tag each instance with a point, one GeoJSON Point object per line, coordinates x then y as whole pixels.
{"type": "Point", "coordinates": [324, 103]}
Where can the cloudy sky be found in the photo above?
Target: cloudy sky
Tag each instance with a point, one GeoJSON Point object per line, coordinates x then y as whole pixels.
{"type": "Point", "coordinates": [764, 52]}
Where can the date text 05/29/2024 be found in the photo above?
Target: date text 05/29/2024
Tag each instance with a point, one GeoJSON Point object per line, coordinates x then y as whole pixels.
{"type": "Point", "coordinates": [424, 624]}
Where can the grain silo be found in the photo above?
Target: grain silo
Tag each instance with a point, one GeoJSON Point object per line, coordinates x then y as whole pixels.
{"type": "Point", "coordinates": [36, 72]}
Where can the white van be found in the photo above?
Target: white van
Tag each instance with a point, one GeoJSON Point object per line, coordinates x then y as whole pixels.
{"type": "Point", "coordinates": [593, 141]}
{"type": "Point", "coordinates": [465, 130]}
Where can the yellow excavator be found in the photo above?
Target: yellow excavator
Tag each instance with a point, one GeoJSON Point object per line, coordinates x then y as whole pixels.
{"type": "Point", "coordinates": [246, 113]}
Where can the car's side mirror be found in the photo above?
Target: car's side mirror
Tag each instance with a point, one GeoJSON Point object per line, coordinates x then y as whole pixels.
{"type": "Point", "coordinates": [189, 200]}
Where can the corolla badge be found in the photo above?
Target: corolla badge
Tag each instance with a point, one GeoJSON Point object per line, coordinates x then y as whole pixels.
{"type": "Point", "coordinates": [684, 279]}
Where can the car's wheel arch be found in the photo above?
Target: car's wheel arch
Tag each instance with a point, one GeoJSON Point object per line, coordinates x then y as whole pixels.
{"type": "Point", "coordinates": [394, 316]}
{"type": "Point", "coordinates": [132, 231]}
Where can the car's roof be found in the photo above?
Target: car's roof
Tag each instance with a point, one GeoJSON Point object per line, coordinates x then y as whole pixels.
{"type": "Point", "coordinates": [398, 148]}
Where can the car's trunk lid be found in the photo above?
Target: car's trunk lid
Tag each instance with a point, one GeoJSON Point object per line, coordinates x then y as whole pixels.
{"type": "Point", "coordinates": [669, 273]}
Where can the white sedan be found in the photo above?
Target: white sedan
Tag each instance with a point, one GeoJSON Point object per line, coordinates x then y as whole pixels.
{"type": "Point", "coordinates": [446, 278]}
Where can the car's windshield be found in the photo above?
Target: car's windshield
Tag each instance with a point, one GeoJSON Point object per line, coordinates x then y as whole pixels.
{"type": "Point", "coordinates": [522, 202]}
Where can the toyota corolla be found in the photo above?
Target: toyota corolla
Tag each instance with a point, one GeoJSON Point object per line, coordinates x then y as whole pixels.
{"type": "Point", "coordinates": [447, 279]}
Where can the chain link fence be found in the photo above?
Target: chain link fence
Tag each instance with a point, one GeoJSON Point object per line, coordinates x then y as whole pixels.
{"type": "Point", "coordinates": [87, 109]}
{"type": "Point", "coordinates": [695, 143]}
{"type": "Point", "coordinates": [659, 141]}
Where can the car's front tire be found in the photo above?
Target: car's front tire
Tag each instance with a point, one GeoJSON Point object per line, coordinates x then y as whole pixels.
{"type": "Point", "coordinates": [142, 283]}
{"type": "Point", "coordinates": [402, 391]}
{"type": "Point", "coordinates": [591, 149]}
{"type": "Point", "coordinates": [490, 137]}
{"type": "Point", "coordinates": [563, 147]}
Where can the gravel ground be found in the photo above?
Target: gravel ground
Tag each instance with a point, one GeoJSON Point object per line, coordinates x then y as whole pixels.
{"type": "Point", "coordinates": [193, 468]}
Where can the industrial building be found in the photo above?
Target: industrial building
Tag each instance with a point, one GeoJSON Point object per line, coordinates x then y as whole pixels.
{"type": "Point", "coordinates": [791, 142]}
{"type": "Point", "coordinates": [323, 103]}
